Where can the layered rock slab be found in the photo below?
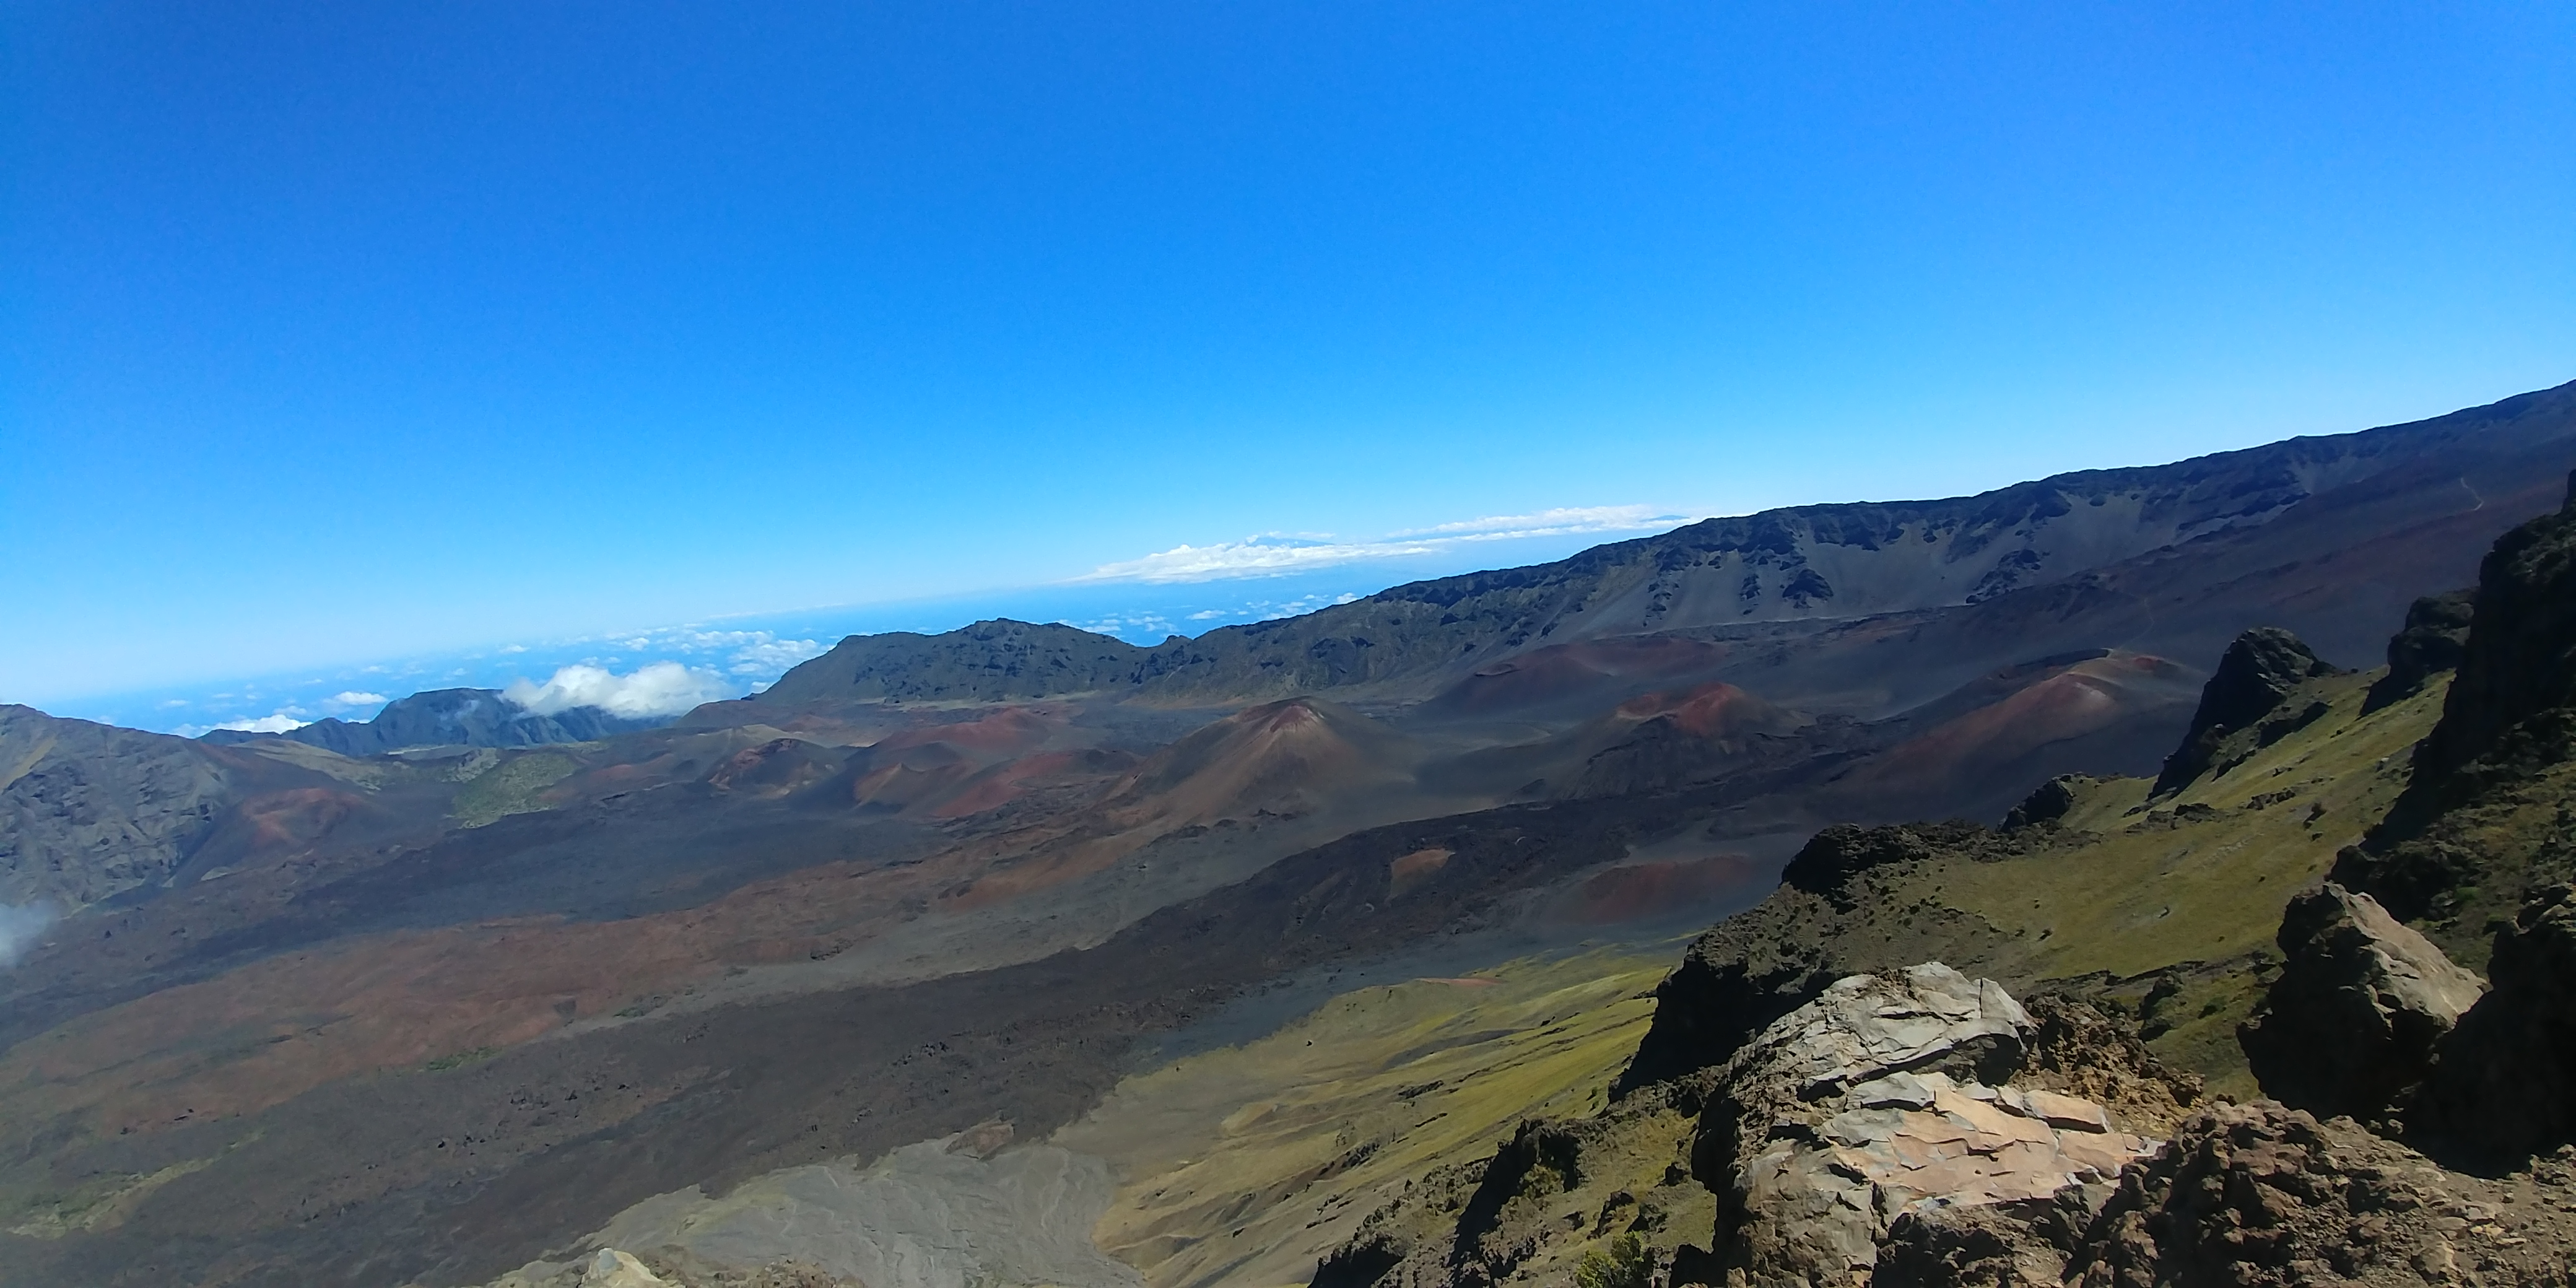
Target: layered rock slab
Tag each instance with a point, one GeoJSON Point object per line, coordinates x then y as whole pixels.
{"type": "Point", "coordinates": [1873, 1102]}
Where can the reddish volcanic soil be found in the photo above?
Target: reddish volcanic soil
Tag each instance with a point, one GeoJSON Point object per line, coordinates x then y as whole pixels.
{"type": "Point", "coordinates": [266, 1032]}
{"type": "Point", "coordinates": [2116, 700]}
{"type": "Point", "coordinates": [1588, 672]}
{"type": "Point", "coordinates": [1715, 710]}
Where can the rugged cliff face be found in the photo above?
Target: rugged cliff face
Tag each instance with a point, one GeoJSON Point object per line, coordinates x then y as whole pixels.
{"type": "Point", "coordinates": [2245, 703]}
{"type": "Point", "coordinates": [2517, 671]}
{"type": "Point", "coordinates": [2481, 827]}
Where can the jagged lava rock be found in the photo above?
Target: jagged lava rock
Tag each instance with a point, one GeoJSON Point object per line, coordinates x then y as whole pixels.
{"type": "Point", "coordinates": [1827, 862]}
{"type": "Point", "coordinates": [2047, 803]}
{"type": "Point", "coordinates": [2434, 639]}
{"type": "Point", "coordinates": [2503, 1086]}
{"type": "Point", "coordinates": [2265, 1195]}
{"type": "Point", "coordinates": [2450, 844]}
{"type": "Point", "coordinates": [2254, 678]}
{"type": "Point", "coordinates": [2520, 659]}
{"type": "Point", "coordinates": [2360, 1002]}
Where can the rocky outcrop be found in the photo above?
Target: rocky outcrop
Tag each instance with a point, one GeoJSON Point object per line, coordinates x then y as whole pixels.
{"type": "Point", "coordinates": [2249, 692]}
{"type": "Point", "coordinates": [2473, 833]}
{"type": "Point", "coordinates": [1712, 1003]}
{"type": "Point", "coordinates": [2503, 1086]}
{"type": "Point", "coordinates": [2047, 803]}
{"type": "Point", "coordinates": [2359, 1005]}
{"type": "Point", "coordinates": [1829, 860]}
{"type": "Point", "coordinates": [2255, 1195]}
{"type": "Point", "coordinates": [1887, 1095]}
{"type": "Point", "coordinates": [2519, 666]}
{"type": "Point", "coordinates": [2435, 637]}
{"type": "Point", "coordinates": [2264, 1194]}
{"type": "Point", "coordinates": [1760, 965]}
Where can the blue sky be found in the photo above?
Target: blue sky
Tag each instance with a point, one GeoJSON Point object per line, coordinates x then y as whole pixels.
{"type": "Point", "coordinates": [336, 333]}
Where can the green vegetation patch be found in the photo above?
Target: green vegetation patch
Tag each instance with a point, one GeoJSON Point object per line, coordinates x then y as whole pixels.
{"type": "Point", "coordinates": [2170, 906]}
{"type": "Point", "coordinates": [459, 1059]}
{"type": "Point", "coordinates": [510, 787]}
{"type": "Point", "coordinates": [1245, 1164]}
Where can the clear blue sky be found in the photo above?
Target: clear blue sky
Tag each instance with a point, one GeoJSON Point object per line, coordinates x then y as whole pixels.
{"type": "Point", "coordinates": [338, 330]}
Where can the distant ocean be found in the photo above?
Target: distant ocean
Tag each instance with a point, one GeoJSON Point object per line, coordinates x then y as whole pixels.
{"type": "Point", "coordinates": [741, 655]}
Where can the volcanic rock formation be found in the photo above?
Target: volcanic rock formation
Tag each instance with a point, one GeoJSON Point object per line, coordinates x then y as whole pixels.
{"type": "Point", "coordinates": [2504, 1085]}
{"type": "Point", "coordinates": [2359, 1005]}
{"type": "Point", "coordinates": [2434, 639]}
{"type": "Point", "coordinates": [2254, 680]}
{"type": "Point", "coordinates": [1874, 1101]}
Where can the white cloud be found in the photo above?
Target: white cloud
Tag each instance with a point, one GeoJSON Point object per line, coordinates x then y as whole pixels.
{"type": "Point", "coordinates": [661, 689]}
{"type": "Point", "coordinates": [747, 653]}
{"type": "Point", "coordinates": [1149, 625]}
{"type": "Point", "coordinates": [19, 926]}
{"type": "Point", "coordinates": [768, 657]}
{"type": "Point", "coordinates": [351, 699]}
{"type": "Point", "coordinates": [1253, 557]}
{"type": "Point", "coordinates": [278, 723]}
{"type": "Point", "coordinates": [1274, 553]}
{"type": "Point", "coordinates": [1563, 521]}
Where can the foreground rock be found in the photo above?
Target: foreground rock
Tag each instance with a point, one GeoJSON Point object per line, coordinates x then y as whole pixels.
{"type": "Point", "coordinates": [2257, 1195]}
{"type": "Point", "coordinates": [2264, 1194]}
{"type": "Point", "coordinates": [2504, 1085]}
{"type": "Point", "coordinates": [1750, 970]}
{"type": "Point", "coordinates": [1876, 1101]}
{"type": "Point", "coordinates": [2360, 1002]}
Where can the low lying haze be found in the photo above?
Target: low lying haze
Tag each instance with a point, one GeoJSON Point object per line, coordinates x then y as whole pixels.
{"type": "Point", "coordinates": [355, 348]}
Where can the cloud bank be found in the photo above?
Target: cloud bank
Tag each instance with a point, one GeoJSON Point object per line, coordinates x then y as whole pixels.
{"type": "Point", "coordinates": [661, 689]}
{"type": "Point", "coordinates": [1273, 553]}
{"type": "Point", "coordinates": [19, 926]}
{"type": "Point", "coordinates": [278, 723]}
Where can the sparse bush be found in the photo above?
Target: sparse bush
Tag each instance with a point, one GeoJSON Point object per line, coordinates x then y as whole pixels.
{"type": "Point", "coordinates": [1623, 1264]}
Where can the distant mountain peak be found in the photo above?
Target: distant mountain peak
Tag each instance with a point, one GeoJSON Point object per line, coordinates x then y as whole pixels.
{"type": "Point", "coordinates": [451, 718]}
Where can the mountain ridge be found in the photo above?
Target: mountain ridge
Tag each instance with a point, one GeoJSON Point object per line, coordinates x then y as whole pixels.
{"type": "Point", "coordinates": [1816, 563]}
{"type": "Point", "coordinates": [449, 718]}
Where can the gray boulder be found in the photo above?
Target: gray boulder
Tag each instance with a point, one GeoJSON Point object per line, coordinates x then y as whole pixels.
{"type": "Point", "coordinates": [2361, 1001]}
